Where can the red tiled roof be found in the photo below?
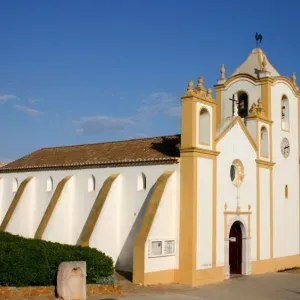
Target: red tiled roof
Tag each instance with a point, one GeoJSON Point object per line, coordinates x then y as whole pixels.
{"type": "Point", "coordinates": [155, 150]}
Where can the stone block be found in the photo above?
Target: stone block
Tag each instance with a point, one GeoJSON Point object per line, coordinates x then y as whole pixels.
{"type": "Point", "coordinates": [71, 280]}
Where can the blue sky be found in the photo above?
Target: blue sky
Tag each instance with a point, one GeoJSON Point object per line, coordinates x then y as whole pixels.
{"type": "Point", "coordinates": [90, 71]}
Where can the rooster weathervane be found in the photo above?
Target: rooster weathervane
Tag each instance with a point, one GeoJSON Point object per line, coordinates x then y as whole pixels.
{"type": "Point", "coordinates": [258, 38]}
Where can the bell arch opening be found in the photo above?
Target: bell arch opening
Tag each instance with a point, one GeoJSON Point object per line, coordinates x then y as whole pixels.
{"type": "Point", "coordinates": [242, 104]}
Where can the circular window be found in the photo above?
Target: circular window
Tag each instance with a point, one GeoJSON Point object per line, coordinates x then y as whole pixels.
{"type": "Point", "coordinates": [237, 172]}
{"type": "Point", "coordinates": [232, 172]}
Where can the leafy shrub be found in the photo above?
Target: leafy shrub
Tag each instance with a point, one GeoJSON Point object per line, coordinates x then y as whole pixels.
{"type": "Point", "coordinates": [27, 262]}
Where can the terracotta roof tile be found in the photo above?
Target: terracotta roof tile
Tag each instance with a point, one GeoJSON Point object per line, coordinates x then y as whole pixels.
{"type": "Point", "coordinates": [163, 149]}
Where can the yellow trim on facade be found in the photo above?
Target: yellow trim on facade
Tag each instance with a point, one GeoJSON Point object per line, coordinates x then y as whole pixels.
{"type": "Point", "coordinates": [214, 127]}
{"type": "Point", "coordinates": [160, 277]}
{"type": "Point", "coordinates": [271, 215]}
{"type": "Point", "coordinates": [219, 92]}
{"type": "Point", "coordinates": [140, 241]}
{"type": "Point", "coordinates": [298, 103]}
{"type": "Point", "coordinates": [266, 96]}
{"type": "Point", "coordinates": [275, 264]}
{"type": "Point", "coordinates": [236, 77]}
{"type": "Point", "coordinates": [259, 118]}
{"type": "Point", "coordinates": [264, 164]}
{"type": "Point", "coordinates": [188, 218]}
{"type": "Point", "coordinates": [198, 99]}
{"type": "Point", "coordinates": [14, 203]}
{"type": "Point", "coordinates": [255, 80]}
{"type": "Point", "coordinates": [87, 231]}
{"type": "Point", "coordinates": [188, 124]}
{"type": "Point", "coordinates": [200, 152]}
{"type": "Point", "coordinates": [211, 275]}
{"type": "Point", "coordinates": [257, 213]}
{"type": "Point", "coordinates": [288, 81]}
{"type": "Point", "coordinates": [244, 128]}
{"type": "Point", "coordinates": [214, 214]}
{"type": "Point", "coordinates": [51, 206]}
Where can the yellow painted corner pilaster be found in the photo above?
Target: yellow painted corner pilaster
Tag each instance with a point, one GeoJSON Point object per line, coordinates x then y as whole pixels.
{"type": "Point", "coordinates": [188, 219]}
{"type": "Point", "coordinates": [214, 214]}
{"type": "Point", "coordinates": [298, 104]}
{"type": "Point", "coordinates": [188, 123]}
{"type": "Point", "coordinates": [139, 275]}
{"type": "Point", "coordinates": [84, 239]}
{"type": "Point", "coordinates": [271, 215]}
{"type": "Point", "coordinates": [219, 105]}
{"type": "Point", "coordinates": [266, 96]}
{"type": "Point", "coordinates": [214, 127]}
{"type": "Point", "coordinates": [14, 203]}
{"type": "Point", "coordinates": [257, 213]}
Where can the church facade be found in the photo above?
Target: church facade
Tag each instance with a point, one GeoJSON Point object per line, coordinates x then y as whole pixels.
{"type": "Point", "coordinates": [220, 198]}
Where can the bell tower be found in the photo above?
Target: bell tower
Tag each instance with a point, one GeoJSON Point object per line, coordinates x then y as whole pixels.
{"type": "Point", "coordinates": [197, 167]}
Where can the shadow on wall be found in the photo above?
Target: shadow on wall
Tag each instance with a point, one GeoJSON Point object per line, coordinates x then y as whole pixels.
{"type": "Point", "coordinates": [125, 259]}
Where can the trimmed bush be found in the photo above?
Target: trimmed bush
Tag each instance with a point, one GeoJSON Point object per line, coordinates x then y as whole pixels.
{"type": "Point", "coordinates": [25, 262]}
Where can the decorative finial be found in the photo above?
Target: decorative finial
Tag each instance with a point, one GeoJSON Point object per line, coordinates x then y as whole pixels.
{"type": "Point", "coordinates": [222, 71]}
{"type": "Point", "coordinates": [209, 93]}
{"type": "Point", "coordinates": [190, 85]}
{"type": "Point", "coordinates": [264, 64]}
{"type": "Point", "coordinates": [200, 83]}
{"type": "Point", "coordinates": [249, 207]}
{"type": "Point", "coordinates": [294, 78]}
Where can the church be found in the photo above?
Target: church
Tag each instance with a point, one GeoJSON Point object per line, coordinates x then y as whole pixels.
{"type": "Point", "coordinates": [218, 199]}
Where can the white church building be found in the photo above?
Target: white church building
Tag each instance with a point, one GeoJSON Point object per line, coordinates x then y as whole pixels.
{"type": "Point", "coordinates": [220, 198]}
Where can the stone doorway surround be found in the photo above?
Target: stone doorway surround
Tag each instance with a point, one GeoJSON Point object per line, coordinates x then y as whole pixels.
{"type": "Point", "coordinates": [244, 220]}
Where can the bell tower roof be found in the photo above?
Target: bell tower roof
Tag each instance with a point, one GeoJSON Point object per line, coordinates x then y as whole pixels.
{"type": "Point", "coordinates": [256, 62]}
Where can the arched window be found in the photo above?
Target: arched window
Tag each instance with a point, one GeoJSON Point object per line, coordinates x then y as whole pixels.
{"type": "Point", "coordinates": [204, 127]}
{"type": "Point", "coordinates": [286, 191]}
{"type": "Point", "coordinates": [15, 185]}
{"type": "Point", "coordinates": [242, 104]}
{"type": "Point", "coordinates": [91, 183]}
{"type": "Point", "coordinates": [141, 182]}
{"type": "Point", "coordinates": [49, 184]}
{"type": "Point", "coordinates": [264, 142]}
{"type": "Point", "coordinates": [285, 113]}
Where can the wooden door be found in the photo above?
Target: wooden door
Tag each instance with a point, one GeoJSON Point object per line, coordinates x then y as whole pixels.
{"type": "Point", "coordinates": [235, 249]}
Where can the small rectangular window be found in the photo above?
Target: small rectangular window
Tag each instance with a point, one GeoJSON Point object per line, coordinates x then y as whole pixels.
{"type": "Point", "coordinates": [169, 247]}
{"type": "Point", "coordinates": [156, 248]}
{"type": "Point", "coordinates": [163, 247]}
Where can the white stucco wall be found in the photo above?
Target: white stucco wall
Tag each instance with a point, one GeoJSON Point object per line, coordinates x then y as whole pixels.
{"type": "Point", "coordinates": [251, 88]}
{"type": "Point", "coordinates": [59, 228]}
{"type": "Point", "coordinates": [106, 234]}
{"type": "Point", "coordinates": [264, 176]}
{"type": "Point", "coordinates": [165, 227]}
{"type": "Point", "coordinates": [21, 222]}
{"type": "Point", "coordinates": [204, 213]}
{"type": "Point", "coordinates": [285, 171]}
{"type": "Point", "coordinates": [260, 153]}
{"type": "Point", "coordinates": [235, 145]}
{"type": "Point", "coordinates": [252, 127]}
{"type": "Point", "coordinates": [75, 203]}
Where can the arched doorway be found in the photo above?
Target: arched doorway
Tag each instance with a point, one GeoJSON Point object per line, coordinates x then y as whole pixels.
{"type": "Point", "coordinates": [235, 249]}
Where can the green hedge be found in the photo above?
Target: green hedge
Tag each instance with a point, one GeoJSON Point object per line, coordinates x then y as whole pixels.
{"type": "Point", "coordinates": [25, 262]}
